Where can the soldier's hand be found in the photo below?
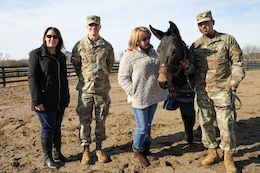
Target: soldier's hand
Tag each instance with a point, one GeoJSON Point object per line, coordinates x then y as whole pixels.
{"type": "Point", "coordinates": [232, 88]}
{"type": "Point", "coordinates": [185, 63]}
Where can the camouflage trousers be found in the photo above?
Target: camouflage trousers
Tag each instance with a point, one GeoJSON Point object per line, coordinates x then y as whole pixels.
{"type": "Point", "coordinates": [86, 105]}
{"type": "Point", "coordinates": [225, 119]}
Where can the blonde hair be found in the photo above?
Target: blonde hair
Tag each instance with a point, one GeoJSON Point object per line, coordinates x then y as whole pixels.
{"type": "Point", "coordinates": [135, 36]}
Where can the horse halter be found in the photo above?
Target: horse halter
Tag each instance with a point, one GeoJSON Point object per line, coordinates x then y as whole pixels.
{"type": "Point", "coordinates": [175, 69]}
{"type": "Point", "coordinates": [168, 68]}
{"type": "Point", "coordinates": [171, 68]}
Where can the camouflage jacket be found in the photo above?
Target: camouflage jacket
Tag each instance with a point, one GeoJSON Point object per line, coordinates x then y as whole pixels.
{"type": "Point", "coordinates": [92, 63]}
{"type": "Point", "coordinates": [219, 64]}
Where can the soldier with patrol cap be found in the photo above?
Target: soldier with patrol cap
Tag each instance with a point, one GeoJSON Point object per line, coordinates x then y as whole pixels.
{"type": "Point", "coordinates": [219, 62]}
{"type": "Point", "coordinates": [93, 58]}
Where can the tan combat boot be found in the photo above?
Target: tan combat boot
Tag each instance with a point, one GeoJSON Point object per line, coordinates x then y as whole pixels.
{"type": "Point", "coordinates": [229, 163]}
{"type": "Point", "coordinates": [86, 156]}
{"type": "Point", "coordinates": [101, 156]}
{"type": "Point", "coordinates": [211, 158]}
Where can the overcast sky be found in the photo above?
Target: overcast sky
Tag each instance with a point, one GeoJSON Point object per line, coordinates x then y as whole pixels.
{"type": "Point", "coordinates": [22, 22]}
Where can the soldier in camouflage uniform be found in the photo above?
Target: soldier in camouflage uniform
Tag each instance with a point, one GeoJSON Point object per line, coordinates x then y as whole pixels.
{"type": "Point", "coordinates": [220, 69]}
{"type": "Point", "coordinates": [93, 58]}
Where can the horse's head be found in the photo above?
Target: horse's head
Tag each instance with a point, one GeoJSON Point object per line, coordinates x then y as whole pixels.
{"type": "Point", "coordinates": [171, 51]}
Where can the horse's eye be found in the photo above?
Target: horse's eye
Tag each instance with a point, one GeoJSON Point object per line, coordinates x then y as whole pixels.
{"type": "Point", "coordinates": [174, 52]}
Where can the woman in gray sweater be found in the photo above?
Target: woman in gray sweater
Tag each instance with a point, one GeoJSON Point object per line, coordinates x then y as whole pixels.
{"type": "Point", "coordinates": [138, 72]}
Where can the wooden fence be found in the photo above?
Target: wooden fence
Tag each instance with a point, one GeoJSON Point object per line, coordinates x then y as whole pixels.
{"type": "Point", "coordinates": [252, 65]}
{"type": "Point", "coordinates": [10, 74]}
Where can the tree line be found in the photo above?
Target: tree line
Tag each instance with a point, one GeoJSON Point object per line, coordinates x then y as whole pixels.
{"type": "Point", "coordinates": [250, 53]}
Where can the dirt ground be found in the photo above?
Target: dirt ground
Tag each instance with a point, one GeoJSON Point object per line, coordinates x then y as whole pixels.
{"type": "Point", "coordinates": [20, 149]}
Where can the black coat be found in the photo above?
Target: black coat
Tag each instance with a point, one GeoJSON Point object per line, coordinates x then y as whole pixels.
{"type": "Point", "coordinates": [47, 76]}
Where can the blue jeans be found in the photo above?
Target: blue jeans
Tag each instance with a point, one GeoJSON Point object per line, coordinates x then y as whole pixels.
{"type": "Point", "coordinates": [143, 118]}
{"type": "Point", "coordinates": [50, 122]}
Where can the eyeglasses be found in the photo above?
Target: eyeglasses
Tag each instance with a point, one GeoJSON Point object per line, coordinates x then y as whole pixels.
{"type": "Point", "coordinates": [50, 36]}
{"type": "Point", "coordinates": [146, 38]}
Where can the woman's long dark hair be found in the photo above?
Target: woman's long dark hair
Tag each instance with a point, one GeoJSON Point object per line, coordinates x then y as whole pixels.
{"type": "Point", "coordinates": [60, 45]}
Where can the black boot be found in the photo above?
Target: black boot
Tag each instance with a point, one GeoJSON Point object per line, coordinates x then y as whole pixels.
{"type": "Point", "coordinates": [47, 150]}
{"type": "Point", "coordinates": [147, 152]}
{"type": "Point", "coordinates": [57, 149]}
{"type": "Point", "coordinates": [189, 122]}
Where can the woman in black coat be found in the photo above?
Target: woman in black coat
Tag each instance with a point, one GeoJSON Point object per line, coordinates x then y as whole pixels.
{"type": "Point", "coordinates": [48, 83]}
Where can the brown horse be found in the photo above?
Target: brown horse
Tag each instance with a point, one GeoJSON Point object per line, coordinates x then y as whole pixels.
{"type": "Point", "coordinates": [171, 50]}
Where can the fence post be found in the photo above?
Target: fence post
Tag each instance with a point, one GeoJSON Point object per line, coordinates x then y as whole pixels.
{"type": "Point", "coordinates": [3, 75]}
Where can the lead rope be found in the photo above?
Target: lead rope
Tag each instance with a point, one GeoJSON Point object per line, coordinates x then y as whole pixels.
{"type": "Point", "coordinates": [185, 72]}
{"type": "Point", "coordinates": [188, 81]}
{"type": "Point", "coordinates": [233, 98]}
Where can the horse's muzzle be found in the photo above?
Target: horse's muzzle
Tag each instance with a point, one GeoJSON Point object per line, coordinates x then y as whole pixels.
{"type": "Point", "coordinates": [164, 85]}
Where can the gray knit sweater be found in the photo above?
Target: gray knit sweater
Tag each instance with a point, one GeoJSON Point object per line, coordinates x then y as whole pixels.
{"type": "Point", "coordinates": [137, 75]}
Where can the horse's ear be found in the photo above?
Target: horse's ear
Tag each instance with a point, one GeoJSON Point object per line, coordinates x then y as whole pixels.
{"type": "Point", "coordinates": [158, 34]}
{"type": "Point", "coordinates": [174, 29]}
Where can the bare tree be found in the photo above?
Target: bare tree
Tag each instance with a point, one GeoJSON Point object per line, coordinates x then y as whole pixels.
{"type": "Point", "coordinates": [251, 53]}
{"type": "Point", "coordinates": [4, 58]}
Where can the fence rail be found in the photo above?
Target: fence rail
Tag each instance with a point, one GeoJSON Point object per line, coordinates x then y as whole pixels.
{"type": "Point", "coordinates": [11, 74]}
{"type": "Point", "coordinates": [252, 65]}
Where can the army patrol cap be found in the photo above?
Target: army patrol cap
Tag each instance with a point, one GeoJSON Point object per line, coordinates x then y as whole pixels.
{"type": "Point", "coordinates": [93, 19]}
{"type": "Point", "coordinates": [205, 16]}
